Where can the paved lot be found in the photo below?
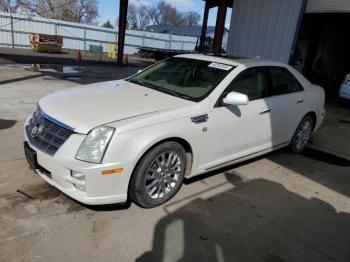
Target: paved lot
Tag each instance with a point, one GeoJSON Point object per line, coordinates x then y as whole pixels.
{"type": "Point", "coordinates": [279, 207]}
{"type": "Point", "coordinates": [23, 55]}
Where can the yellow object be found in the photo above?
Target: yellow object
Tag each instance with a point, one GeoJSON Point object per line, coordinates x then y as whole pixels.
{"type": "Point", "coordinates": [112, 50]}
{"type": "Point", "coordinates": [112, 171]}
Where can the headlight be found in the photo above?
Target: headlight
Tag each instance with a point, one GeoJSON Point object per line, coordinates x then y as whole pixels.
{"type": "Point", "coordinates": [95, 144]}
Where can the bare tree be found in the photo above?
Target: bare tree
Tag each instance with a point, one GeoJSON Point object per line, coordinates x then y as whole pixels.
{"type": "Point", "coordinates": [87, 11]}
{"type": "Point", "coordinates": [162, 13]}
{"type": "Point", "coordinates": [192, 18]}
{"type": "Point", "coordinates": [169, 15]}
{"type": "Point", "coordinates": [132, 16]}
{"type": "Point", "coordinates": [143, 17]}
{"type": "Point", "coordinates": [165, 14]}
{"type": "Point", "coordinates": [138, 16]}
{"type": "Point", "coordinates": [81, 11]}
{"type": "Point", "coordinates": [11, 6]}
{"type": "Point", "coordinates": [154, 15]}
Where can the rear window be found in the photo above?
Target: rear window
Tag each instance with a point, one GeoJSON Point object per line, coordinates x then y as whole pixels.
{"type": "Point", "coordinates": [283, 82]}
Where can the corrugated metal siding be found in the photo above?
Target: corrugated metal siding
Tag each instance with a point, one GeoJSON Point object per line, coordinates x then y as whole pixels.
{"type": "Point", "coordinates": [264, 28]}
{"type": "Point", "coordinates": [328, 6]}
{"type": "Point", "coordinates": [80, 36]}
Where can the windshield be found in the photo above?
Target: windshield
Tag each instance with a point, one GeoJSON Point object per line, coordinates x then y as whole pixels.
{"type": "Point", "coordinates": [183, 77]}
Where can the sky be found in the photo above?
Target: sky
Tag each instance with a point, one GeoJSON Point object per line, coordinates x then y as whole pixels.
{"type": "Point", "coordinates": [109, 9]}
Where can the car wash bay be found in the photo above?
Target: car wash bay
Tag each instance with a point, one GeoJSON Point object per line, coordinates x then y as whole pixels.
{"type": "Point", "coordinates": [323, 50]}
{"type": "Point", "coordinates": [310, 35]}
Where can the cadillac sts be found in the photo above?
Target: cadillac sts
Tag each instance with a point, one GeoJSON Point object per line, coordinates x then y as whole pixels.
{"type": "Point", "coordinates": [139, 137]}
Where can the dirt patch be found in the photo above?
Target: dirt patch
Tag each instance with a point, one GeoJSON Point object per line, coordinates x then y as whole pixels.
{"type": "Point", "coordinates": [27, 194]}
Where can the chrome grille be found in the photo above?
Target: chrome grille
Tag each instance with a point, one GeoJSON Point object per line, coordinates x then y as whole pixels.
{"type": "Point", "coordinates": [46, 135]}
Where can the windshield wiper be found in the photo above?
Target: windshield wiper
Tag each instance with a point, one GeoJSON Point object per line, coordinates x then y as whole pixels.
{"type": "Point", "coordinates": [136, 81]}
{"type": "Point", "coordinates": [160, 89]}
{"type": "Point", "coordinates": [176, 94]}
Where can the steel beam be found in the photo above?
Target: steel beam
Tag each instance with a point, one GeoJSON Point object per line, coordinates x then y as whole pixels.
{"type": "Point", "coordinates": [204, 26]}
{"type": "Point", "coordinates": [219, 27]}
{"type": "Point", "coordinates": [123, 12]}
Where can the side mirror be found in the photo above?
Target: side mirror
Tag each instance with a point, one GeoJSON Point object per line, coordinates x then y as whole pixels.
{"type": "Point", "coordinates": [236, 99]}
{"type": "Point", "coordinates": [138, 72]}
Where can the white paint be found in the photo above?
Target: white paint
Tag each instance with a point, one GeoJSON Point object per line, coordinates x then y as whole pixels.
{"type": "Point", "coordinates": [143, 117]}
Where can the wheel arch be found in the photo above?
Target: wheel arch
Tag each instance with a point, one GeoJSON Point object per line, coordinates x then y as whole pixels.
{"type": "Point", "coordinates": [183, 142]}
{"type": "Point", "coordinates": [313, 116]}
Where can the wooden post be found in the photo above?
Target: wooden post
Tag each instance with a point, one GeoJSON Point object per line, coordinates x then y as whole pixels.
{"type": "Point", "coordinates": [123, 12]}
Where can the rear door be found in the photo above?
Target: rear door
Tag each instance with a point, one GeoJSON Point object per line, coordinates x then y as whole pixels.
{"type": "Point", "coordinates": [285, 102]}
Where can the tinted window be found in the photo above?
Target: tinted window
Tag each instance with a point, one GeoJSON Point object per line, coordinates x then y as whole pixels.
{"type": "Point", "coordinates": [251, 82]}
{"type": "Point", "coordinates": [283, 82]}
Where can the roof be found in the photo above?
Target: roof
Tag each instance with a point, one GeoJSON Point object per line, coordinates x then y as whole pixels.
{"type": "Point", "coordinates": [235, 61]}
{"type": "Point", "coordinates": [181, 29]}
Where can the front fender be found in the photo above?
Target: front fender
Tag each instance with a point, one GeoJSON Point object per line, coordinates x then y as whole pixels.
{"type": "Point", "coordinates": [130, 146]}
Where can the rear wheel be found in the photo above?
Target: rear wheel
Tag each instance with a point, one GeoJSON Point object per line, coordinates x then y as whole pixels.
{"type": "Point", "coordinates": [159, 175]}
{"type": "Point", "coordinates": [302, 135]}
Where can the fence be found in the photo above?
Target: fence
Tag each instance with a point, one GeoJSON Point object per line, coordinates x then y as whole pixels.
{"type": "Point", "coordinates": [15, 29]}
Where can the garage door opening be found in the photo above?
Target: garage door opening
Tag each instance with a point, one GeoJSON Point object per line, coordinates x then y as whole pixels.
{"type": "Point", "coordinates": [322, 53]}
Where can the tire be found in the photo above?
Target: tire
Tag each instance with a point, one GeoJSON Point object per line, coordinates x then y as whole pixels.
{"type": "Point", "coordinates": [302, 135]}
{"type": "Point", "coordinates": [159, 175]}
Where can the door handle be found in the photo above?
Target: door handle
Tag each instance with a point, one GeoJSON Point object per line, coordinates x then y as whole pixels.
{"type": "Point", "coordinates": [300, 102]}
{"type": "Point", "coordinates": [265, 111]}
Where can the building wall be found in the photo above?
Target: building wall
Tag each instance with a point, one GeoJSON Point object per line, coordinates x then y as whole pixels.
{"type": "Point", "coordinates": [264, 28]}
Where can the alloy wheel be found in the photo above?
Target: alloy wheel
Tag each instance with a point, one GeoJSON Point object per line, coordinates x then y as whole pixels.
{"type": "Point", "coordinates": [163, 174]}
{"type": "Point", "coordinates": [303, 134]}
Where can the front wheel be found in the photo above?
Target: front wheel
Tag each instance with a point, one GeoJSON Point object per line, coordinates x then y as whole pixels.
{"type": "Point", "coordinates": [159, 175]}
{"type": "Point", "coordinates": [302, 135]}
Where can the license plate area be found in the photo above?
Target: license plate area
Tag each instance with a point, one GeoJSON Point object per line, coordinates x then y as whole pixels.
{"type": "Point", "coordinates": [31, 157]}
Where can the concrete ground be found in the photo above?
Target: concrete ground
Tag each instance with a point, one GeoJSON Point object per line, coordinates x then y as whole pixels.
{"type": "Point", "coordinates": [280, 207]}
{"type": "Point", "coordinates": [336, 126]}
{"type": "Point", "coordinates": [28, 56]}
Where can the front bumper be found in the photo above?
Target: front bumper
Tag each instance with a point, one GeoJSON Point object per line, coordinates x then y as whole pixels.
{"type": "Point", "coordinates": [99, 189]}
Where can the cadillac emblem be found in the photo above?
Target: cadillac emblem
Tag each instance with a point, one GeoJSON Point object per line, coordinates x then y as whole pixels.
{"type": "Point", "coordinates": [37, 130]}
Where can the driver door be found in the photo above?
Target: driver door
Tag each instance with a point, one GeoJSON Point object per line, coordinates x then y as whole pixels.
{"type": "Point", "coordinates": [237, 131]}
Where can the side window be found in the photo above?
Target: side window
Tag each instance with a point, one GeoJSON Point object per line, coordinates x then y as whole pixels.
{"type": "Point", "coordinates": [283, 82]}
{"type": "Point", "coordinates": [252, 82]}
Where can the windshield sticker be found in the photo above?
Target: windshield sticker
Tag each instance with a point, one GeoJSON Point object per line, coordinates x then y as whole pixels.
{"type": "Point", "coordinates": [220, 66]}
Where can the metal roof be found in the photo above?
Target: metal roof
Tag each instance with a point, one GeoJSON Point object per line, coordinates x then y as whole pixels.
{"type": "Point", "coordinates": [181, 29]}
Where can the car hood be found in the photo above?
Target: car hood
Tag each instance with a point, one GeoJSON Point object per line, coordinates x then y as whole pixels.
{"type": "Point", "coordinates": [84, 108]}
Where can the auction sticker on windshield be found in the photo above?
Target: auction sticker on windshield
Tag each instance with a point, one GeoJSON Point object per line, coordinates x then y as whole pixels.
{"type": "Point", "coordinates": [220, 66]}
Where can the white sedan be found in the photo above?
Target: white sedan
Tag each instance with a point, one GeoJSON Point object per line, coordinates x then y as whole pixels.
{"type": "Point", "coordinates": [138, 138]}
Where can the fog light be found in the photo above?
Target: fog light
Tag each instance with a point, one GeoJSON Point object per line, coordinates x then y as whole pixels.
{"type": "Point", "coordinates": [79, 180]}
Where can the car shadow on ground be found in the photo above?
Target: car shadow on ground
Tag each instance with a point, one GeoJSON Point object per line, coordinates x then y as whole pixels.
{"type": "Point", "coordinates": [338, 179]}
{"type": "Point", "coordinates": [257, 220]}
